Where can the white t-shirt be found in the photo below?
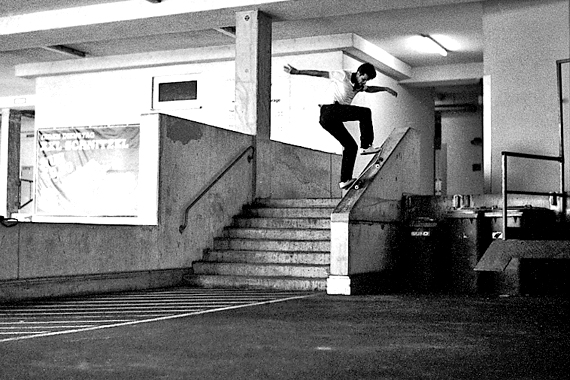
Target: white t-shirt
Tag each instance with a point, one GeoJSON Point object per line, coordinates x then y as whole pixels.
{"type": "Point", "coordinates": [342, 87]}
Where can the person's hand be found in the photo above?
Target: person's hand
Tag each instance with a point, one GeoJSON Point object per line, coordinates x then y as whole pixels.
{"type": "Point", "coordinates": [290, 69]}
{"type": "Point", "coordinates": [391, 92]}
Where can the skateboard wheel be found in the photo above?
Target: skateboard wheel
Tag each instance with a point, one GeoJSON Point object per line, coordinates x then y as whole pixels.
{"type": "Point", "coordinates": [356, 187]}
{"type": "Point", "coordinates": [376, 166]}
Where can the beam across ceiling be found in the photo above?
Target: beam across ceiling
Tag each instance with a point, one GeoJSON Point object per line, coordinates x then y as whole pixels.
{"type": "Point", "coordinates": [348, 43]}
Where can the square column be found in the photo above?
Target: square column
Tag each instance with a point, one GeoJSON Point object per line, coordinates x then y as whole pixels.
{"type": "Point", "coordinates": [10, 125]}
{"type": "Point", "coordinates": [253, 89]}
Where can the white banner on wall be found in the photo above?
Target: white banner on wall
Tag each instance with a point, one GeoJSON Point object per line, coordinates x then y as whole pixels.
{"type": "Point", "coordinates": [88, 171]}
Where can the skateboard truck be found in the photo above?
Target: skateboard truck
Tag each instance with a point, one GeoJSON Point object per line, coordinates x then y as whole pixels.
{"type": "Point", "coordinates": [360, 180]}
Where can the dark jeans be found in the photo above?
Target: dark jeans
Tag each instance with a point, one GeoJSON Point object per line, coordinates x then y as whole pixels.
{"type": "Point", "coordinates": [332, 118]}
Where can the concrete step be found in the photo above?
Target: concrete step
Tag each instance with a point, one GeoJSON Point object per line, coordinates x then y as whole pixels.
{"type": "Point", "coordinates": [264, 270]}
{"type": "Point", "coordinates": [298, 203]}
{"type": "Point", "coordinates": [288, 212]}
{"type": "Point", "coordinates": [319, 258]}
{"type": "Point", "coordinates": [276, 233]}
{"type": "Point", "coordinates": [272, 245]}
{"type": "Point", "coordinates": [257, 282]}
{"type": "Point", "coordinates": [306, 223]}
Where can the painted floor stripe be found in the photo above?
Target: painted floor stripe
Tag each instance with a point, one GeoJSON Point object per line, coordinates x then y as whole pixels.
{"type": "Point", "coordinates": [160, 300]}
{"type": "Point", "coordinates": [76, 314]}
{"type": "Point", "coordinates": [84, 313]}
{"type": "Point", "coordinates": [51, 322]}
{"type": "Point", "coordinates": [21, 333]}
{"type": "Point", "coordinates": [184, 296]}
{"type": "Point", "coordinates": [126, 305]}
{"type": "Point", "coordinates": [123, 307]}
{"type": "Point", "coordinates": [5, 329]}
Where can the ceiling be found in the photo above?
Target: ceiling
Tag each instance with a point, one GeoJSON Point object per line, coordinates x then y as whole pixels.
{"type": "Point", "coordinates": [106, 27]}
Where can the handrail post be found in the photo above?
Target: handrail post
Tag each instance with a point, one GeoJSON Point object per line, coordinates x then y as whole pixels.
{"type": "Point", "coordinates": [561, 132]}
{"type": "Point", "coordinates": [504, 186]}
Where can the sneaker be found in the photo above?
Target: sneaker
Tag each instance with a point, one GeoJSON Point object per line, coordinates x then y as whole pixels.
{"type": "Point", "coordinates": [347, 184]}
{"type": "Point", "coordinates": [370, 150]}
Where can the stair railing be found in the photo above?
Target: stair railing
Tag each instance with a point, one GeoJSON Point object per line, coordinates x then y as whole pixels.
{"type": "Point", "coordinates": [212, 182]}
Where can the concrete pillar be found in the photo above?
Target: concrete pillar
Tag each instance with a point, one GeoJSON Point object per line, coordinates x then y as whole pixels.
{"type": "Point", "coordinates": [253, 89]}
{"type": "Point", "coordinates": [10, 162]}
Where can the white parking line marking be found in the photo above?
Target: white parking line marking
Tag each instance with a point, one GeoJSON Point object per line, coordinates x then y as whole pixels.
{"type": "Point", "coordinates": [51, 322]}
{"type": "Point", "coordinates": [6, 329]}
{"type": "Point", "coordinates": [22, 332]}
{"type": "Point", "coordinates": [125, 306]}
{"type": "Point", "coordinates": [157, 312]}
{"type": "Point", "coordinates": [153, 319]}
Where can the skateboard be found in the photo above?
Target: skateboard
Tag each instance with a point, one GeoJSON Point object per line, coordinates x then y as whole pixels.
{"type": "Point", "coordinates": [369, 171]}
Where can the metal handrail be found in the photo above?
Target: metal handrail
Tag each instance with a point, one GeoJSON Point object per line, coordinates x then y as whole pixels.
{"type": "Point", "coordinates": [559, 158]}
{"type": "Point", "coordinates": [212, 183]}
{"type": "Point", "coordinates": [505, 155]}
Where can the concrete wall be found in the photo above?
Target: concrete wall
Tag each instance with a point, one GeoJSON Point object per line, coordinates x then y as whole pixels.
{"type": "Point", "coordinates": [523, 40]}
{"type": "Point", "coordinates": [120, 96]}
{"type": "Point", "coordinates": [297, 172]}
{"type": "Point", "coordinates": [187, 164]}
{"type": "Point", "coordinates": [192, 155]}
{"type": "Point", "coordinates": [71, 258]}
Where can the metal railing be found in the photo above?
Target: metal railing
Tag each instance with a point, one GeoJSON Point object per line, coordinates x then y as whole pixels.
{"type": "Point", "coordinates": [559, 158]}
{"type": "Point", "coordinates": [506, 191]}
{"type": "Point", "coordinates": [212, 183]}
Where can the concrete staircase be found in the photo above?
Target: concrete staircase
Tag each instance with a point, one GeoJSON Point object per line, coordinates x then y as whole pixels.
{"type": "Point", "coordinates": [281, 244]}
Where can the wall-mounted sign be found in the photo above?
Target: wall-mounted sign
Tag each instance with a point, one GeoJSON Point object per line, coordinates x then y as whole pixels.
{"type": "Point", "coordinates": [88, 171]}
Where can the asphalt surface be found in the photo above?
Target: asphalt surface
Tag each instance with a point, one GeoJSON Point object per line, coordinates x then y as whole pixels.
{"type": "Point", "coordinates": [307, 336]}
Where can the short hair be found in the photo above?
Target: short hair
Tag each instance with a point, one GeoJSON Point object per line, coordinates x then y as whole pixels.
{"type": "Point", "coordinates": [368, 69]}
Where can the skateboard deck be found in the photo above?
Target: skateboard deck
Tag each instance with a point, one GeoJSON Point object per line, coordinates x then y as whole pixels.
{"type": "Point", "coordinates": [369, 171]}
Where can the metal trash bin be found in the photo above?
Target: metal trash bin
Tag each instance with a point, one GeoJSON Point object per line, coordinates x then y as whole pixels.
{"type": "Point", "coordinates": [420, 256]}
{"type": "Point", "coordinates": [468, 234]}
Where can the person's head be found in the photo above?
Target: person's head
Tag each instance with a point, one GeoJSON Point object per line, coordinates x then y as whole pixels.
{"type": "Point", "coordinates": [365, 73]}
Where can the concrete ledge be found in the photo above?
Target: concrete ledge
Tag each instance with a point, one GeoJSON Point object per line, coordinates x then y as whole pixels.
{"type": "Point", "coordinates": [364, 225]}
{"type": "Point", "coordinates": [501, 252]}
{"type": "Point", "coordinates": [49, 287]}
{"type": "Point", "coordinates": [501, 267]}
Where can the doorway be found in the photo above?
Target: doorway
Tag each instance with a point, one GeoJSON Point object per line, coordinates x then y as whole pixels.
{"type": "Point", "coordinates": [459, 140]}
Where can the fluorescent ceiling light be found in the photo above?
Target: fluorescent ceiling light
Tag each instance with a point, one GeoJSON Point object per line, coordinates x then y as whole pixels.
{"type": "Point", "coordinates": [434, 46]}
{"type": "Point", "coordinates": [427, 44]}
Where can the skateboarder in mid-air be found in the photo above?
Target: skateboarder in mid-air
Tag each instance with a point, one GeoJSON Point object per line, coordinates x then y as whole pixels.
{"type": "Point", "coordinates": [345, 87]}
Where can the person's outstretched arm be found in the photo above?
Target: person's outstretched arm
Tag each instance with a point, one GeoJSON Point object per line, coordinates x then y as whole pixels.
{"type": "Point", "coordinates": [373, 89]}
{"type": "Point", "coordinates": [313, 73]}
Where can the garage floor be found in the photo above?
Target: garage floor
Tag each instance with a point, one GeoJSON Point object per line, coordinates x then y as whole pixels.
{"type": "Point", "coordinates": [214, 334]}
